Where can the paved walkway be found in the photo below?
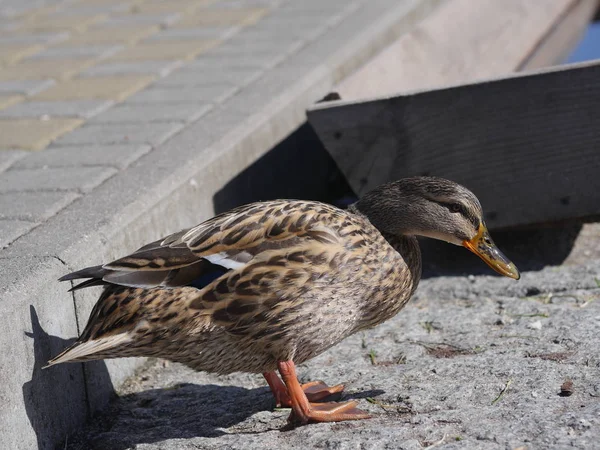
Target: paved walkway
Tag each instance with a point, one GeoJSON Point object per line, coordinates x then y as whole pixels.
{"type": "Point", "coordinates": [92, 85]}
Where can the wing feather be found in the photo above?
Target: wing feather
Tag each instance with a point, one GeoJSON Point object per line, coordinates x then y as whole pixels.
{"type": "Point", "coordinates": [230, 240]}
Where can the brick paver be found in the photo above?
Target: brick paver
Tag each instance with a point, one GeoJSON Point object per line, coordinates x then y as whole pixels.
{"type": "Point", "coordinates": [8, 100]}
{"type": "Point", "coordinates": [161, 50]}
{"type": "Point", "coordinates": [159, 68]}
{"type": "Point", "coordinates": [12, 229]}
{"type": "Point", "coordinates": [84, 109]}
{"type": "Point", "coordinates": [110, 35]}
{"type": "Point", "coordinates": [44, 23]}
{"type": "Point", "coordinates": [28, 87]}
{"type": "Point", "coordinates": [32, 134]}
{"type": "Point", "coordinates": [84, 179]}
{"type": "Point", "coordinates": [83, 155]}
{"type": "Point", "coordinates": [225, 16]}
{"type": "Point", "coordinates": [120, 133]}
{"type": "Point", "coordinates": [10, 53]}
{"type": "Point", "coordinates": [37, 69]}
{"type": "Point", "coordinates": [109, 87]}
{"type": "Point", "coordinates": [33, 206]}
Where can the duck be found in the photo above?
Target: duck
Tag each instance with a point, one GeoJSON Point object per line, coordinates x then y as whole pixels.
{"type": "Point", "coordinates": [270, 285]}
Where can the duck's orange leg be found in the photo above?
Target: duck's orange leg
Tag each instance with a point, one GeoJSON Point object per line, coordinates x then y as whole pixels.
{"type": "Point", "coordinates": [304, 411]}
{"type": "Point", "coordinates": [315, 390]}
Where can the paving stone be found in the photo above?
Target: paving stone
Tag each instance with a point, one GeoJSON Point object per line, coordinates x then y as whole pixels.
{"type": "Point", "coordinates": [44, 68]}
{"type": "Point", "coordinates": [84, 155]}
{"type": "Point", "coordinates": [13, 229]}
{"type": "Point", "coordinates": [89, 51]}
{"type": "Point", "coordinates": [33, 206]}
{"type": "Point", "coordinates": [159, 68]}
{"type": "Point", "coordinates": [162, 7]}
{"type": "Point", "coordinates": [77, 3]}
{"type": "Point", "coordinates": [242, 44]}
{"type": "Point", "coordinates": [26, 87]}
{"type": "Point", "coordinates": [11, 53]}
{"type": "Point", "coordinates": [8, 27]}
{"type": "Point", "coordinates": [9, 157]}
{"type": "Point", "coordinates": [75, 108]}
{"type": "Point", "coordinates": [142, 19]}
{"type": "Point", "coordinates": [114, 88]}
{"type": "Point", "coordinates": [34, 38]}
{"type": "Point", "coordinates": [83, 179]}
{"type": "Point", "coordinates": [199, 94]}
{"type": "Point", "coordinates": [111, 35]}
{"type": "Point", "coordinates": [180, 112]}
{"type": "Point", "coordinates": [225, 16]}
{"type": "Point", "coordinates": [188, 77]}
{"type": "Point", "coordinates": [228, 57]}
{"type": "Point", "coordinates": [219, 61]}
{"type": "Point", "coordinates": [222, 33]}
{"type": "Point", "coordinates": [93, 133]}
{"type": "Point", "coordinates": [172, 49]}
{"type": "Point", "coordinates": [61, 23]}
{"type": "Point", "coordinates": [262, 36]}
{"type": "Point", "coordinates": [17, 9]}
{"type": "Point", "coordinates": [245, 3]}
{"type": "Point", "coordinates": [8, 100]}
{"type": "Point", "coordinates": [71, 8]}
{"type": "Point", "coordinates": [33, 134]}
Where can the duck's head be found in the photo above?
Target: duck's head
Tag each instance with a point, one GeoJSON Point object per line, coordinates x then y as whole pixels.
{"type": "Point", "coordinates": [436, 208]}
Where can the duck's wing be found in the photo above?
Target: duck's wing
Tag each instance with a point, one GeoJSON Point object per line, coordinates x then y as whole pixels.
{"type": "Point", "coordinates": [225, 243]}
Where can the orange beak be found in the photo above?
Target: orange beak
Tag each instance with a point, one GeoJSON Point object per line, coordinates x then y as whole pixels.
{"type": "Point", "coordinates": [483, 246]}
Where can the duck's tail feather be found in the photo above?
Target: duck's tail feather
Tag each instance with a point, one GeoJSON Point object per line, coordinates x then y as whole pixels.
{"type": "Point", "coordinates": [89, 272]}
{"type": "Point", "coordinates": [87, 351]}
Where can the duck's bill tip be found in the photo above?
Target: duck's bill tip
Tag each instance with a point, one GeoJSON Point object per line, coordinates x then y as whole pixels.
{"type": "Point", "coordinates": [483, 246]}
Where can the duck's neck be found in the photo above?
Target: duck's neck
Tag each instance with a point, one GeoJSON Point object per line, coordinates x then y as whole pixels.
{"type": "Point", "coordinates": [406, 245]}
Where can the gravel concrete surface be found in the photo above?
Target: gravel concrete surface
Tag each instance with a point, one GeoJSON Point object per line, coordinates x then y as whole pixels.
{"type": "Point", "coordinates": [473, 361]}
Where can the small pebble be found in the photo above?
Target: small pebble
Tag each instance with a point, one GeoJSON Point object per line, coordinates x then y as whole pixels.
{"type": "Point", "coordinates": [471, 278]}
{"type": "Point", "coordinates": [534, 394]}
{"type": "Point", "coordinates": [537, 325]}
{"type": "Point", "coordinates": [566, 389]}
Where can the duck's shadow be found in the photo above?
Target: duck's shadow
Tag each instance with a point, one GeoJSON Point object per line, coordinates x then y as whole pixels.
{"type": "Point", "coordinates": [182, 412]}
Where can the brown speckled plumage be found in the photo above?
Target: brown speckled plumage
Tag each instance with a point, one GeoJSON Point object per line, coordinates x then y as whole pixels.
{"type": "Point", "coordinates": [293, 278]}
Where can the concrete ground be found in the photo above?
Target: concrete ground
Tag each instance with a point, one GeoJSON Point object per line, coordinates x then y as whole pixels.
{"type": "Point", "coordinates": [472, 362]}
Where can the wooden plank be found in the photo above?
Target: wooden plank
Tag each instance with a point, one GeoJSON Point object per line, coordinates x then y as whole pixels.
{"type": "Point", "coordinates": [528, 146]}
{"type": "Point", "coordinates": [463, 41]}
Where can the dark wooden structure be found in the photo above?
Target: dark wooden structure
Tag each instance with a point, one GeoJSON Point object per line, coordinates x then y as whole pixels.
{"type": "Point", "coordinates": [527, 145]}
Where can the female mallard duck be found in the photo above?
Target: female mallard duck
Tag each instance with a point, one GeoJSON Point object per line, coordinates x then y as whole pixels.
{"type": "Point", "coordinates": [269, 285]}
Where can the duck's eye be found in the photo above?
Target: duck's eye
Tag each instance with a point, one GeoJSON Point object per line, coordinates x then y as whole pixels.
{"type": "Point", "coordinates": [455, 207]}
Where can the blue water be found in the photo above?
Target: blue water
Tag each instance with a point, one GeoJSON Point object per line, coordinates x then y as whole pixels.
{"type": "Point", "coordinates": [589, 46]}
